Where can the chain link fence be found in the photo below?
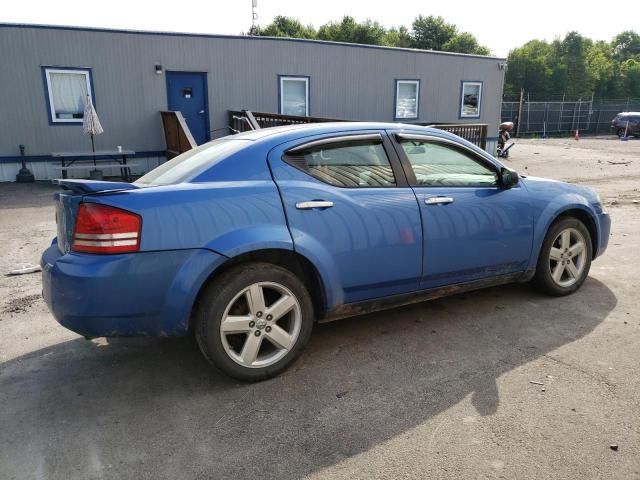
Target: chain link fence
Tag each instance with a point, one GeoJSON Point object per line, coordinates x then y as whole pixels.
{"type": "Point", "coordinates": [551, 117]}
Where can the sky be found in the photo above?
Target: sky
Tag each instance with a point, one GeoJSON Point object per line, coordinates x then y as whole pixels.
{"type": "Point", "coordinates": [500, 26]}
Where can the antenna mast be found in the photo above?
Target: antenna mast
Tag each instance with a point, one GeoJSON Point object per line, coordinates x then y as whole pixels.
{"type": "Point", "coordinates": [254, 17]}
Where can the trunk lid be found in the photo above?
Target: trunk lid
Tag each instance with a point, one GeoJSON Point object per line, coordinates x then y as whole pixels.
{"type": "Point", "coordinates": [93, 186]}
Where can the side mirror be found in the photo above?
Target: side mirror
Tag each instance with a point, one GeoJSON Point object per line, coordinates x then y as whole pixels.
{"type": "Point", "coordinates": [508, 178]}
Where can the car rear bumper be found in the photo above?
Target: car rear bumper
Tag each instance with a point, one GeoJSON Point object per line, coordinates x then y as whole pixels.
{"type": "Point", "coordinates": [145, 293]}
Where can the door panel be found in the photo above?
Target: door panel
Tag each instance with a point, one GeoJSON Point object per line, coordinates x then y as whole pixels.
{"type": "Point", "coordinates": [372, 236]}
{"type": "Point", "coordinates": [472, 227]}
{"type": "Point", "coordinates": [484, 231]}
{"type": "Point", "coordinates": [187, 93]}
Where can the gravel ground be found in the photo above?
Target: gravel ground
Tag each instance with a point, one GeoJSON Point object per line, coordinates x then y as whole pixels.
{"type": "Point", "coordinates": [437, 390]}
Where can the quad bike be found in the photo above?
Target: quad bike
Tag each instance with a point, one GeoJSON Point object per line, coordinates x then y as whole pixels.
{"type": "Point", "coordinates": [503, 137]}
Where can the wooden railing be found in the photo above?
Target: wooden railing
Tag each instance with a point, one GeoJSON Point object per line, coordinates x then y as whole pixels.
{"type": "Point", "coordinates": [240, 120]}
{"type": "Point", "coordinates": [475, 133]}
{"type": "Point", "coordinates": [177, 134]}
{"type": "Point", "coordinates": [244, 120]}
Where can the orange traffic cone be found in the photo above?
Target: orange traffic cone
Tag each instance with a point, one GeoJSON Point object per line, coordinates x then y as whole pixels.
{"type": "Point", "coordinates": [577, 135]}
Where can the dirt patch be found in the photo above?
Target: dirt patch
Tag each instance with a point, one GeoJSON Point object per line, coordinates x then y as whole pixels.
{"type": "Point", "coordinates": [21, 304]}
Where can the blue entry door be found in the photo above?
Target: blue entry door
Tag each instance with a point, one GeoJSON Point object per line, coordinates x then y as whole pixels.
{"type": "Point", "coordinates": [187, 94]}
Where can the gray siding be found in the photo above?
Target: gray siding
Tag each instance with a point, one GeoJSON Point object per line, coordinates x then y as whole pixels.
{"type": "Point", "coordinates": [350, 82]}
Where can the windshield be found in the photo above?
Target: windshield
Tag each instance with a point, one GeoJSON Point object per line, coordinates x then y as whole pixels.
{"type": "Point", "coordinates": [189, 163]}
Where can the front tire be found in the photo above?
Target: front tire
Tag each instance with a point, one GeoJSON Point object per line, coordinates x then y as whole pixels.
{"type": "Point", "coordinates": [565, 258]}
{"type": "Point", "coordinates": [253, 321]}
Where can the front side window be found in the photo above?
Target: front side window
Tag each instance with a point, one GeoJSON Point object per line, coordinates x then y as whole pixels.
{"type": "Point", "coordinates": [294, 96]}
{"type": "Point", "coordinates": [348, 164]}
{"type": "Point", "coordinates": [471, 98]}
{"type": "Point", "coordinates": [438, 165]}
{"type": "Point", "coordinates": [407, 99]}
{"type": "Point", "coordinates": [67, 91]}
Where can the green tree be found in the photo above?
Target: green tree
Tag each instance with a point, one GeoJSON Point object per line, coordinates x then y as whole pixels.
{"type": "Point", "coordinates": [348, 30]}
{"type": "Point", "coordinates": [398, 37]}
{"type": "Point", "coordinates": [626, 45]}
{"type": "Point", "coordinates": [573, 54]}
{"type": "Point", "coordinates": [603, 69]}
{"type": "Point", "coordinates": [630, 73]}
{"type": "Point", "coordinates": [529, 68]}
{"type": "Point", "coordinates": [432, 33]}
{"type": "Point", "coordinates": [576, 66]}
{"type": "Point", "coordinates": [287, 27]}
{"type": "Point", "coordinates": [465, 43]}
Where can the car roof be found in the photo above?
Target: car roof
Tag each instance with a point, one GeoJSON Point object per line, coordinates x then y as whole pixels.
{"type": "Point", "coordinates": [262, 141]}
{"type": "Point", "coordinates": [626, 114]}
{"type": "Point", "coordinates": [273, 136]}
{"type": "Point", "coordinates": [276, 135]}
{"type": "Point", "coordinates": [319, 128]}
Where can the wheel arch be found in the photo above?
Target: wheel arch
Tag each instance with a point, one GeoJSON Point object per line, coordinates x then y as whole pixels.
{"type": "Point", "coordinates": [580, 213]}
{"type": "Point", "coordinates": [293, 261]}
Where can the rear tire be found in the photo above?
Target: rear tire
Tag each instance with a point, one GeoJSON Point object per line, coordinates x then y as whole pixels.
{"type": "Point", "coordinates": [565, 258]}
{"type": "Point", "coordinates": [253, 321]}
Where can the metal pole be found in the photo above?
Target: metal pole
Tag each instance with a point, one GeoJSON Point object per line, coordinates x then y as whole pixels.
{"type": "Point", "coordinates": [590, 112]}
{"type": "Point", "coordinates": [546, 119]}
{"type": "Point", "coordinates": [520, 112]}
{"type": "Point", "coordinates": [93, 149]}
{"type": "Point", "coordinates": [579, 112]}
{"type": "Point", "coordinates": [528, 109]}
{"type": "Point", "coordinates": [560, 116]}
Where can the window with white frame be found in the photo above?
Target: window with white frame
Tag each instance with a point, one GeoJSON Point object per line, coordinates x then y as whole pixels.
{"type": "Point", "coordinates": [67, 90]}
{"type": "Point", "coordinates": [294, 96]}
{"type": "Point", "coordinates": [471, 98]}
{"type": "Point", "coordinates": [407, 98]}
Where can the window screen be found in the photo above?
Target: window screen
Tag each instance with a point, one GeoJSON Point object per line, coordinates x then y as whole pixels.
{"type": "Point", "coordinates": [294, 96]}
{"type": "Point", "coordinates": [471, 98]}
{"type": "Point", "coordinates": [347, 164]}
{"type": "Point", "coordinates": [407, 95]}
{"type": "Point", "coordinates": [437, 165]}
{"type": "Point", "coordinates": [67, 91]}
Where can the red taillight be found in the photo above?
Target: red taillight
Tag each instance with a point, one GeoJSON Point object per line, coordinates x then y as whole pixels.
{"type": "Point", "coordinates": [104, 229]}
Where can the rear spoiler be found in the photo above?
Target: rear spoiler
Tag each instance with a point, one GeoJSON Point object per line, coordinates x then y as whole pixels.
{"type": "Point", "coordinates": [93, 186]}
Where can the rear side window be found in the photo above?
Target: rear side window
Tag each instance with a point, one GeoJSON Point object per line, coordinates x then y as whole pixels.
{"type": "Point", "coordinates": [437, 165]}
{"type": "Point", "coordinates": [187, 164]}
{"type": "Point", "coordinates": [346, 164]}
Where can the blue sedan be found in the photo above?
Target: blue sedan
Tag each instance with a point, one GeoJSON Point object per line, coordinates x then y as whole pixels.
{"type": "Point", "coordinates": [248, 240]}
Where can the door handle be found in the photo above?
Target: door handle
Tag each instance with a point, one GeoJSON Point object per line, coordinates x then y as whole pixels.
{"type": "Point", "coordinates": [313, 204]}
{"type": "Point", "coordinates": [438, 200]}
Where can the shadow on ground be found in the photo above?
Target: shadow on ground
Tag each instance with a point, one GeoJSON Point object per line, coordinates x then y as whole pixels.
{"type": "Point", "coordinates": [154, 409]}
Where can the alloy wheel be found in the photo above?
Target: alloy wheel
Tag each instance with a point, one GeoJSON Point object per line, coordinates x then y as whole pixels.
{"type": "Point", "coordinates": [261, 325]}
{"type": "Point", "coordinates": [567, 258]}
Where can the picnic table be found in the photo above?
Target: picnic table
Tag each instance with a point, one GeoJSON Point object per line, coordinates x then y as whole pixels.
{"type": "Point", "coordinates": [67, 160]}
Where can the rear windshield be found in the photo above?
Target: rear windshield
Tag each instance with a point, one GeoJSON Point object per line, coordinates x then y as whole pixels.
{"type": "Point", "coordinates": [187, 164]}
